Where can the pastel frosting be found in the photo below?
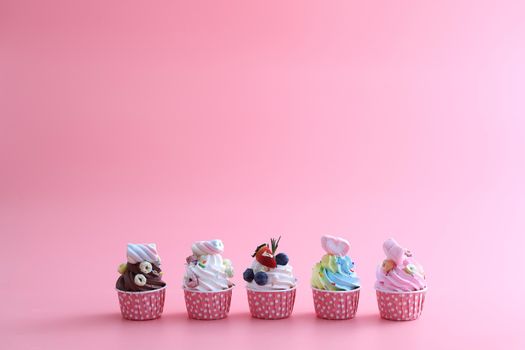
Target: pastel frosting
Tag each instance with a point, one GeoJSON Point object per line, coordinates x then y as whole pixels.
{"type": "Point", "coordinates": [279, 278]}
{"type": "Point", "coordinates": [335, 271]}
{"type": "Point", "coordinates": [399, 272]}
{"type": "Point", "coordinates": [206, 269]}
{"type": "Point", "coordinates": [207, 247]}
{"type": "Point", "coordinates": [138, 253]}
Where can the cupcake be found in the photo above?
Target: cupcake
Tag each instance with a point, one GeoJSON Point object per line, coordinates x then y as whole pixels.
{"type": "Point", "coordinates": [141, 290]}
{"type": "Point", "coordinates": [335, 284]}
{"type": "Point", "coordinates": [400, 285]}
{"type": "Point", "coordinates": [270, 283]}
{"type": "Point", "coordinates": [207, 285]}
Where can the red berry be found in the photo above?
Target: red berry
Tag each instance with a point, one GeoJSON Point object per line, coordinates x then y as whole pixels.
{"type": "Point", "coordinates": [265, 257]}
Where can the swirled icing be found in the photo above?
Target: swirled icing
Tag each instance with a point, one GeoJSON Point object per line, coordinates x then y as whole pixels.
{"type": "Point", "coordinates": [127, 280]}
{"type": "Point", "coordinates": [335, 273]}
{"type": "Point", "coordinates": [206, 270]}
{"type": "Point", "coordinates": [279, 278]}
{"type": "Point", "coordinates": [142, 270]}
{"type": "Point", "coordinates": [399, 272]}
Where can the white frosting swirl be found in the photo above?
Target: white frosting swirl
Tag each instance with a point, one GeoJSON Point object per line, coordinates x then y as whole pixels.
{"type": "Point", "coordinates": [138, 253]}
{"type": "Point", "coordinates": [279, 278]}
{"type": "Point", "coordinates": [211, 273]}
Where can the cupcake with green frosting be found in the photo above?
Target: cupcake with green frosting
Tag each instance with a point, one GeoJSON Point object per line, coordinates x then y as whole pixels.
{"type": "Point", "coordinates": [335, 273]}
{"type": "Point", "coordinates": [335, 284]}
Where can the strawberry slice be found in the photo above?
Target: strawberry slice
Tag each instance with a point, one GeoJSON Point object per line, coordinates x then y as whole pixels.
{"type": "Point", "coordinates": [265, 256]}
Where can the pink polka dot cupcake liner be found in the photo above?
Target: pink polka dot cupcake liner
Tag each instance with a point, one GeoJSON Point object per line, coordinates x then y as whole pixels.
{"type": "Point", "coordinates": [208, 305]}
{"type": "Point", "coordinates": [336, 305]}
{"type": "Point", "coordinates": [271, 305]}
{"type": "Point", "coordinates": [400, 306]}
{"type": "Point", "coordinates": [142, 306]}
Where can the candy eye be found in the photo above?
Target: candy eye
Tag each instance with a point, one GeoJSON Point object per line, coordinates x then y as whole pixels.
{"type": "Point", "coordinates": [411, 269]}
{"type": "Point", "coordinates": [145, 267]}
{"type": "Point", "coordinates": [140, 280]}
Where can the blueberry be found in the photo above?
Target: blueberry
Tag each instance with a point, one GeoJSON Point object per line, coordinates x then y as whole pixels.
{"type": "Point", "coordinates": [261, 278]}
{"type": "Point", "coordinates": [248, 275]}
{"type": "Point", "coordinates": [282, 259]}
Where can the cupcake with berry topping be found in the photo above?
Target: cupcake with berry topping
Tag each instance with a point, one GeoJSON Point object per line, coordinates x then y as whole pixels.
{"type": "Point", "coordinates": [141, 290]}
{"type": "Point", "coordinates": [207, 285]}
{"type": "Point", "coordinates": [400, 284]}
{"type": "Point", "coordinates": [335, 284]}
{"type": "Point", "coordinates": [271, 283]}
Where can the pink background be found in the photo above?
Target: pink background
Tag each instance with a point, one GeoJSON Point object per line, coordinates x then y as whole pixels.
{"type": "Point", "coordinates": [177, 121]}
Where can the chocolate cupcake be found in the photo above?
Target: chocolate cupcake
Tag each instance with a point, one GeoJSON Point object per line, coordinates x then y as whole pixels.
{"type": "Point", "coordinates": [140, 287]}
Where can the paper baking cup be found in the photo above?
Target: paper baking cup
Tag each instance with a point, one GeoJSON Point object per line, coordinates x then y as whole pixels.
{"type": "Point", "coordinates": [400, 306]}
{"type": "Point", "coordinates": [142, 306]}
{"type": "Point", "coordinates": [336, 305]}
{"type": "Point", "coordinates": [208, 305]}
{"type": "Point", "coordinates": [271, 305]}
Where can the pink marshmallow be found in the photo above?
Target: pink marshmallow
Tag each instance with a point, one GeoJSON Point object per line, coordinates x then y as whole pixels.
{"type": "Point", "coordinates": [394, 251]}
{"type": "Point", "coordinates": [335, 245]}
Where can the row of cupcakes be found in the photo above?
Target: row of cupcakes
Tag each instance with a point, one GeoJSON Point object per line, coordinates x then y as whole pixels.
{"type": "Point", "coordinates": [270, 282]}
